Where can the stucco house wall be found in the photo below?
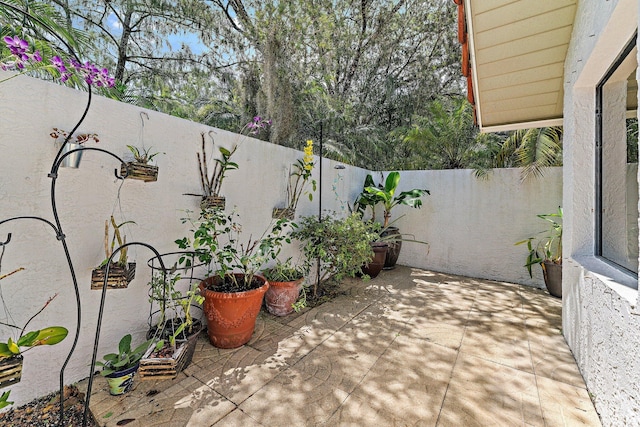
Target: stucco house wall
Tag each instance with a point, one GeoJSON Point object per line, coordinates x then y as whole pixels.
{"type": "Point", "coordinates": [601, 320]}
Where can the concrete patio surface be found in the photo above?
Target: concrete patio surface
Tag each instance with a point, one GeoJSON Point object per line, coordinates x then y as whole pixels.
{"type": "Point", "coordinates": [410, 347]}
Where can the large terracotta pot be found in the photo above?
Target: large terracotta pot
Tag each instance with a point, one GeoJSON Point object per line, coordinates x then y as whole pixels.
{"type": "Point", "coordinates": [281, 296]}
{"type": "Point", "coordinates": [231, 316]}
{"type": "Point", "coordinates": [553, 278]}
{"type": "Point", "coordinates": [377, 263]}
{"type": "Point", "coordinates": [395, 244]}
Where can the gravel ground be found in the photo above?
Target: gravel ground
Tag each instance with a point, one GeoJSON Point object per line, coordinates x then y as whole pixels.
{"type": "Point", "coordinates": [45, 411]}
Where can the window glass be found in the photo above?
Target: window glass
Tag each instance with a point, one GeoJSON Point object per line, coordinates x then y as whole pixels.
{"type": "Point", "coordinates": [618, 163]}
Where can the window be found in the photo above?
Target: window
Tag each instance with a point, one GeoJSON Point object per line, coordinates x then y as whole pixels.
{"type": "Point", "coordinates": [617, 162]}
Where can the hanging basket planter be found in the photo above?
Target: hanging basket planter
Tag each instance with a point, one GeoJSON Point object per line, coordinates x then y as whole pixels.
{"type": "Point", "coordinates": [119, 277]}
{"type": "Point", "coordinates": [141, 171]}
{"type": "Point", "coordinates": [161, 367]}
{"type": "Point", "coordinates": [10, 370]}
{"type": "Point", "coordinates": [280, 213]}
{"type": "Point", "coordinates": [213, 202]}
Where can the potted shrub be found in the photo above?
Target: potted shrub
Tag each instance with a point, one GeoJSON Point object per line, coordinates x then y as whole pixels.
{"type": "Point", "coordinates": [387, 196]}
{"type": "Point", "coordinates": [298, 179]}
{"type": "Point", "coordinates": [68, 142]}
{"type": "Point", "coordinates": [285, 283]}
{"type": "Point", "coordinates": [342, 245]}
{"type": "Point", "coordinates": [233, 291]}
{"type": "Point", "coordinates": [140, 168]}
{"type": "Point", "coordinates": [547, 251]}
{"type": "Point", "coordinates": [121, 272]}
{"type": "Point", "coordinates": [119, 368]}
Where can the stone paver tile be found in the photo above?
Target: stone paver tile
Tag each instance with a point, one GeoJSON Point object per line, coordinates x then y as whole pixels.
{"type": "Point", "coordinates": [241, 374]}
{"type": "Point", "coordinates": [368, 332]}
{"type": "Point", "coordinates": [237, 418]}
{"type": "Point", "coordinates": [294, 398]}
{"type": "Point", "coordinates": [566, 405]}
{"type": "Point", "coordinates": [302, 341]}
{"type": "Point", "coordinates": [483, 393]}
{"type": "Point", "coordinates": [413, 361]}
{"type": "Point", "coordinates": [337, 366]}
{"type": "Point", "coordinates": [502, 329]}
{"type": "Point", "coordinates": [174, 406]}
{"type": "Point", "coordinates": [436, 333]}
{"type": "Point", "coordinates": [268, 339]}
{"type": "Point", "coordinates": [206, 351]}
{"type": "Point", "coordinates": [391, 404]}
{"type": "Point", "coordinates": [142, 392]}
{"type": "Point", "coordinates": [536, 304]}
{"type": "Point", "coordinates": [553, 359]}
{"type": "Point", "coordinates": [510, 348]}
{"type": "Point", "coordinates": [325, 318]}
{"type": "Point", "coordinates": [406, 386]}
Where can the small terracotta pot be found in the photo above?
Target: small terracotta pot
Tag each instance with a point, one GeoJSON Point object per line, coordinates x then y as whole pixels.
{"type": "Point", "coordinates": [281, 296]}
{"type": "Point", "coordinates": [231, 316]}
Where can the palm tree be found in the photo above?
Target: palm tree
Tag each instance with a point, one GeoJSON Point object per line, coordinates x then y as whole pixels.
{"type": "Point", "coordinates": [531, 149]}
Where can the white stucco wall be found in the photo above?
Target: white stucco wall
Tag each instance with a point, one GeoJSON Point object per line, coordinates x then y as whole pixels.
{"type": "Point", "coordinates": [600, 313]}
{"type": "Point", "coordinates": [470, 224]}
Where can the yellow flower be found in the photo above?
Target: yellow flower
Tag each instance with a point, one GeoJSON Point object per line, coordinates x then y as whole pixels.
{"type": "Point", "coordinates": [308, 155]}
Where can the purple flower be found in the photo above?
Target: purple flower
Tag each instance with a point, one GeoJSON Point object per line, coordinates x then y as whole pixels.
{"type": "Point", "coordinates": [59, 64]}
{"type": "Point", "coordinates": [21, 59]}
{"type": "Point", "coordinates": [16, 45]}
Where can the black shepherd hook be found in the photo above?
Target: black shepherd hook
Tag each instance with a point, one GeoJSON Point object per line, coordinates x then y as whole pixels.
{"type": "Point", "coordinates": [6, 241]}
{"type": "Point", "coordinates": [87, 398]}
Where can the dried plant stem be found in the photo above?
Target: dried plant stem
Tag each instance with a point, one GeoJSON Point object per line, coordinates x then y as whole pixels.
{"type": "Point", "coordinates": [39, 311]}
{"type": "Point", "coordinates": [106, 239]}
{"type": "Point", "coordinates": [13, 272]}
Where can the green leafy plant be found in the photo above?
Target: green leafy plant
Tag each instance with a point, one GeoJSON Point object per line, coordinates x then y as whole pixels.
{"type": "Point", "coordinates": [4, 399]}
{"type": "Point", "coordinates": [342, 245]}
{"type": "Point", "coordinates": [217, 241]}
{"type": "Point", "coordinates": [387, 196]}
{"type": "Point", "coordinates": [170, 299]}
{"type": "Point", "coordinates": [142, 155]}
{"type": "Point", "coordinates": [549, 246]}
{"type": "Point", "coordinates": [125, 358]}
{"type": "Point", "coordinates": [26, 340]}
{"type": "Point", "coordinates": [285, 271]}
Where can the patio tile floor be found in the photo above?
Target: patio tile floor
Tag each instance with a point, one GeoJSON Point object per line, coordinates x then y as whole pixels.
{"type": "Point", "coordinates": [410, 347]}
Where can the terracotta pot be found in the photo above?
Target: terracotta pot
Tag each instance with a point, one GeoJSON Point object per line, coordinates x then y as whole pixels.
{"type": "Point", "coordinates": [553, 278]}
{"type": "Point", "coordinates": [377, 263]}
{"type": "Point", "coordinates": [281, 296]}
{"type": "Point", "coordinates": [231, 316]}
{"type": "Point", "coordinates": [394, 247]}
